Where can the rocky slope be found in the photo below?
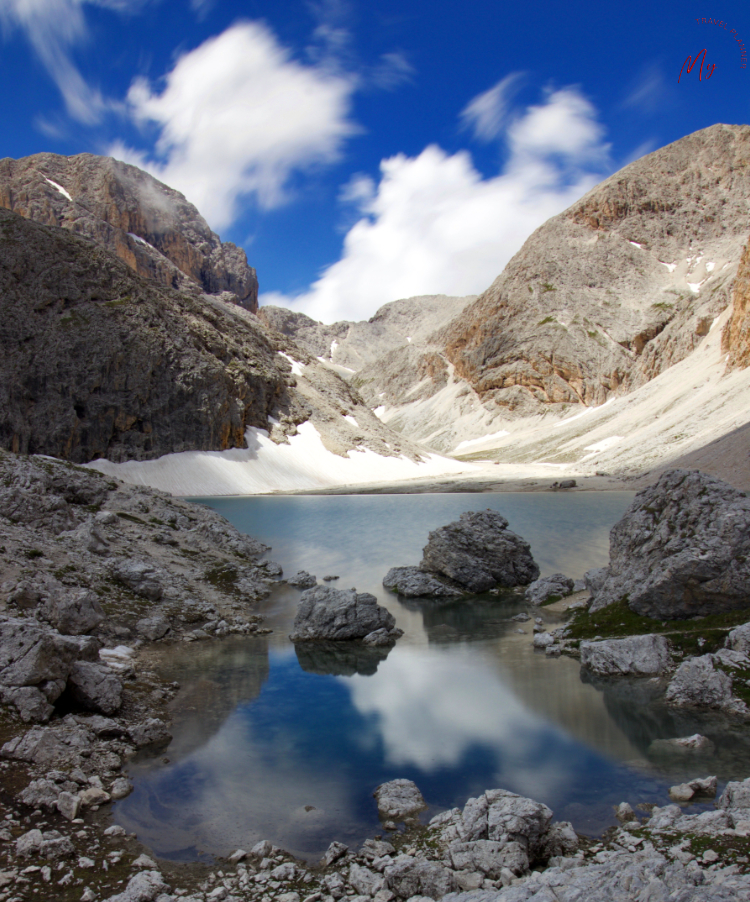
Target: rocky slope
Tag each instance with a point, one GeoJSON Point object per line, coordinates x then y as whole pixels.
{"type": "Point", "coordinates": [620, 286]}
{"type": "Point", "coordinates": [146, 224]}
{"type": "Point", "coordinates": [354, 346]}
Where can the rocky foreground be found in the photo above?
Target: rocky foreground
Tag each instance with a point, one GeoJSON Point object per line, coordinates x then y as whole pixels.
{"type": "Point", "coordinates": [93, 571]}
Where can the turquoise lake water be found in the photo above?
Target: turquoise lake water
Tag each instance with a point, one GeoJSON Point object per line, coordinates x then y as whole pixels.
{"type": "Point", "coordinates": [288, 745]}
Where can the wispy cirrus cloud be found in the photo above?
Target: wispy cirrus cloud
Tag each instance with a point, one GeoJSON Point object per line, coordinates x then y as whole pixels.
{"type": "Point", "coordinates": [54, 28]}
{"type": "Point", "coordinates": [487, 113]}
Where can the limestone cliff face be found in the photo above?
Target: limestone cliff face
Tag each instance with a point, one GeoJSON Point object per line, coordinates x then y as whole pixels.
{"type": "Point", "coordinates": [97, 361]}
{"type": "Point", "coordinates": [149, 226]}
{"type": "Point", "coordinates": [611, 292]}
{"type": "Point", "coordinates": [736, 337]}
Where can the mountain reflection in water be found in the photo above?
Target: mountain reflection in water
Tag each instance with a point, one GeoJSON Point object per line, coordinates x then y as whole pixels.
{"type": "Point", "coordinates": [288, 744]}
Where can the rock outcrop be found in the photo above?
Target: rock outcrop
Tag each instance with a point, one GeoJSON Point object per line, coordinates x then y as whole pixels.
{"type": "Point", "coordinates": [479, 552]}
{"type": "Point", "coordinates": [55, 618]}
{"type": "Point", "coordinates": [474, 554]}
{"type": "Point", "coordinates": [634, 656]}
{"type": "Point", "coordinates": [343, 615]}
{"type": "Point", "coordinates": [681, 550]}
{"type": "Point", "coordinates": [149, 226]}
{"type": "Point", "coordinates": [549, 587]}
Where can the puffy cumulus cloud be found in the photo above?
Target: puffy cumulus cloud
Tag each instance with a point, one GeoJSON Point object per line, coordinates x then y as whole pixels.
{"type": "Point", "coordinates": [54, 28]}
{"type": "Point", "coordinates": [434, 225]}
{"type": "Point", "coordinates": [237, 116]}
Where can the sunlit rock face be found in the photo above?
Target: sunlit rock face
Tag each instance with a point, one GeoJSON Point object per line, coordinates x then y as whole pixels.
{"type": "Point", "coordinates": [619, 287]}
{"type": "Point", "coordinates": [151, 227]}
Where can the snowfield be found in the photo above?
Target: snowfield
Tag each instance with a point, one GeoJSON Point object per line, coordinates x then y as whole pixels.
{"type": "Point", "coordinates": [263, 467]}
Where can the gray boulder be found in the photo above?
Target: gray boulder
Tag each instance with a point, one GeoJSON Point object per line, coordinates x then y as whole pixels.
{"type": "Point", "coordinates": [74, 613]}
{"type": "Point", "coordinates": [340, 614]}
{"type": "Point", "coordinates": [153, 628]}
{"type": "Point", "coordinates": [31, 704]}
{"type": "Point", "coordinates": [547, 587]}
{"type": "Point", "coordinates": [739, 639]}
{"type": "Point", "coordinates": [489, 857]}
{"type": "Point", "coordinates": [303, 580]}
{"type": "Point", "coordinates": [411, 582]}
{"type": "Point", "coordinates": [735, 795]}
{"type": "Point", "coordinates": [365, 881]}
{"type": "Point", "coordinates": [399, 799]}
{"type": "Point", "coordinates": [140, 577]}
{"type": "Point", "coordinates": [681, 550]}
{"type": "Point", "coordinates": [95, 687]}
{"type": "Point", "coordinates": [408, 877]}
{"type": "Point", "coordinates": [480, 553]}
{"type": "Point", "coordinates": [697, 682]}
{"type": "Point", "coordinates": [152, 731]}
{"type": "Point", "coordinates": [34, 655]}
{"type": "Point", "coordinates": [635, 655]}
{"type": "Point", "coordinates": [146, 886]}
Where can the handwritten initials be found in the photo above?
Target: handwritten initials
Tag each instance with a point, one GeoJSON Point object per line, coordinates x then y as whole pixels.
{"type": "Point", "coordinates": [690, 63]}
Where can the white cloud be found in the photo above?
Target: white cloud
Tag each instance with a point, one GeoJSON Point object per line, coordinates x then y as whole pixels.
{"type": "Point", "coordinates": [54, 28]}
{"type": "Point", "coordinates": [486, 114]}
{"type": "Point", "coordinates": [237, 117]}
{"type": "Point", "coordinates": [434, 225]}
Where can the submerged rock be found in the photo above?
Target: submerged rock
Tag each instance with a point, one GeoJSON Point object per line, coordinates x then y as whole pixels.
{"type": "Point", "coordinates": [303, 580]}
{"type": "Point", "coordinates": [681, 550]}
{"type": "Point", "coordinates": [341, 614]}
{"type": "Point", "coordinates": [634, 655]}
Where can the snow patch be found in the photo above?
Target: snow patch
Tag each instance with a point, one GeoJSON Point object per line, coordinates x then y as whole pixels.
{"type": "Point", "coordinates": [334, 345]}
{"type": "Point", "coordinates": [604, 444]}
{"type": "Point", "coordinates": [583, 413]}
{"type": "Point", "coordinates": [351, 419]}
{"type": "Point", "coordinates": [140, 240]}
{"type": "Point", "coordinates": [470, 443]}
{"type": "Point", "coordinates": [296, 367]}
{"type": "Point", "coordinates": [635, 244]}
{"type": "Point", "coordinates": [695, 286]}
{"type": "Point", "coordinates": [408, 338]}
{"type": "Point", "coordinates": [670, 266]}
{"type": "Point", "coordinates": [263, 467]}
{"type": "Point", "coordinates": [710, 266]}
{"type": "Point", "coordinates": [59, 188]}
{"type": "Point", "coordinates": [378, 411]}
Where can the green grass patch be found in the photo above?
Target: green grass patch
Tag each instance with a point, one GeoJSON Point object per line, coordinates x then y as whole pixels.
{"type": "Point", "coordinates": [662, 305]}
{"type": "Point", "coordinates": [548, 286]}
{"type": "Point", "coordinates": [617, 620]}
{"type": "Point", "coordinates": [33, 553]}
{"type": "Point", "coordinates": [551, 600]}
{"type": "Point", "coordinates": [547, 319]}
{"type": "Point", "coordinates": [222, 577]}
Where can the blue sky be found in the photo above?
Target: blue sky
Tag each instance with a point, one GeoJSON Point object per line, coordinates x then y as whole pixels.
{"type": "Point", "coordinates": [362, 152]}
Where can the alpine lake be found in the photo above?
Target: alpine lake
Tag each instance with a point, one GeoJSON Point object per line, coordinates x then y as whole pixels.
{"type": "Point", "coordinates": [287, 744]}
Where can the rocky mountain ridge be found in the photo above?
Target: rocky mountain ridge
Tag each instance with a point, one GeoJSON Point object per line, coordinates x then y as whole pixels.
{"type": "Point", "coordinates": [148, 225]}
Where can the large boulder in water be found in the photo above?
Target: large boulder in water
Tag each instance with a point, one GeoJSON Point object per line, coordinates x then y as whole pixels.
{"type": "Point", "coordinates": [341, 614]}
{"type": "Point", "coordinates": [479, 553]}
{"type": "Point", "coordinates": [681, 550]}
